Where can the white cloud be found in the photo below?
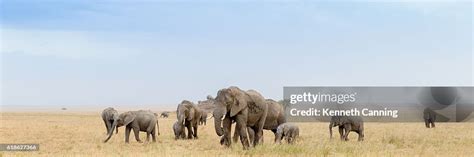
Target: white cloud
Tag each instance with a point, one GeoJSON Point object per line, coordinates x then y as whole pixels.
{"type": "Point", "coordinates": [65, 44]}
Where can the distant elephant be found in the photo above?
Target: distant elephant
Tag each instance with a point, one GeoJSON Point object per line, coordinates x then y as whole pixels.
{"type": "Point", "coordinates": [275, 117]}
{"type": "Point", "coordinates": [110, 117]}
{"type": "Point", "coordinates": [142, 120]}
{"type": "Point", "coordinates": [189, 116]}
{"type": "Point", "coordinates": [209, 97]}
{"type": "Point", "coordinates": [288, 131]}
{"type": "Point", "coordinates": [430, 117]}
{"type": "Point", "coordinates": [347, 124]}
{"type": "Point", "coordinates": [165, 114]}
{"type": "Point", "coordinates": [178, 131]}
{"type": "Point", "coordinates": [203, 119]}
{"type": "Point", "coordinates": [246, 108]}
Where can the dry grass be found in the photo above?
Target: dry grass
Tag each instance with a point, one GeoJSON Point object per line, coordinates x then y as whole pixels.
{"type": "Point", "coordinates": [61, 134]}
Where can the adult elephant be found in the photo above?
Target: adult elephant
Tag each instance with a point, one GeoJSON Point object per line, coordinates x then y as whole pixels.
{"type": "Point", "coordinates": [142, 120]}
{"type": "Point", "coordinates": [246, 108]}
{"type": "Point", "coordinates": [189, 116]}
{"type": "Point", "coordinates": [110, 117]}
{"type": "Point", "coordinates": [430, 117]}
{"type": "Point", "coordinates": [275, 117]}
{"type": "Point", "coordinates": [165, 114]}
{"type": "Point", "coordinates": [203, 119]}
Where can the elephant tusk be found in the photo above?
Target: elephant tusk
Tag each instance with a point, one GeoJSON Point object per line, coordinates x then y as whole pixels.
{"type": "Point", "coordinates": [210, 117]}
{"type": "Point", "coordinates": [222, 117]}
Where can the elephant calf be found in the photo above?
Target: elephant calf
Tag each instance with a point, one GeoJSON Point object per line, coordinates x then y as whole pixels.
{"type": "Point", "coordinates": [288, 131]}
{"type": "Point", "coordinates": [142, 120]}
{"type": "Point", "coordinates": [347, 124]}
{"type": "Point", "coordinates": [429, 116]}
{"type": "Point", "coordinates": [178, 131]}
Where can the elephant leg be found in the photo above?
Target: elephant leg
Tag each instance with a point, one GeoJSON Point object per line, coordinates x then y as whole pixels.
{"type": "Point", "coordinates": [347, 128]}
{"type": "Point", "coordinates": [275, 134]}
{"type": "Point", "coordinates": [251, 134]}
{"type": "Point", "coordinates": [148, 134]}
{"type": "Point", "coordinates": [236, 134]}
{"type": "Point", "coordinates": [136, 131]}
{"type": "Point", "coordinates": [258, 132]}
{"type": "Point", "coordinates": [227, 125]}
{"type": "Point", "coordinates": [288, 138]}
{"type": "Point", "coordinates": [341, 132]}
{"type": "Point", "coordinates": [293, 137]}
{"type": "Point", "coordinates": [153, 135]}
{"type": "Point", "coordinates": [127, 133]}
{"type": "Point", "coordinates": [427, 123]}
{"type": "Point", "coordinates": [195, 131]}
{"type": "Point", "coordinates": [241, 125]}
{"type": "Point", "coordinates": [361, 135]}
{"type": "Point", "coordinates": [432, 123]}
{"type": "Point", "coordinates": [190, 131]}
{"type": "Point", "coordinates": [151, 127]}
{"type": "Point", "coordinates": [183, 134]}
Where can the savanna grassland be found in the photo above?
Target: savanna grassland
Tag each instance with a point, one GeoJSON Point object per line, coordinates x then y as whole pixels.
{"type": "Point", "coordinates": [81, 134]}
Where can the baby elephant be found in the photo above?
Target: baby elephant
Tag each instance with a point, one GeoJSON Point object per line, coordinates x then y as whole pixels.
{"type": "Point", "coordinates": [347, 124]}
{"type": "Point", "coordinates": [142, 120]}
{"type": "Point", "coordinates": [178, 131]}
{"type": "Point", "coordinates": [288, 131]}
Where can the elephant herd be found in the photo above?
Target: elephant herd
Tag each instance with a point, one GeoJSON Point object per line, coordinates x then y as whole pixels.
{"type": "Point", "coordinates": [249, 110]}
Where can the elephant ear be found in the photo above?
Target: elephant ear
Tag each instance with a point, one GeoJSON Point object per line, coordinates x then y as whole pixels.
{"type": "Point", "coordinates": [239, 102]}
{"type": "Point", "coordinates": [129, 118]}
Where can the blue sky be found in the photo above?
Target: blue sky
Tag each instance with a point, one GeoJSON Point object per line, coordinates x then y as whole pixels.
{"type": "Point", "coordinates": [161, 52]}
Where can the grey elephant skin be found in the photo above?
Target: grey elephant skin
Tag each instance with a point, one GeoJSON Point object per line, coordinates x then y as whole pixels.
{"type": "Point", "coordinates": [142, 120]}
{"type": "Point", "coordinates": [110, 117]}
{"type": "Point", "coordinates": [178, 131]}
{"type": "Point", "coordinates": [288, 131]}
{"type": "Point", "coordinates": [203, 120]}
{"type": "Point", "coordinates": [246, 108]}
{"type": "Point", "coordinates": [430, 117]}
{"type": "Point", "coordinates": [165, 114]}
{"type": "Point", "coordinates": [188, 116]}
{"type": "Point", "coordinates": [275, 117]}
{"type": "Point", "coordinates": [347, 124]}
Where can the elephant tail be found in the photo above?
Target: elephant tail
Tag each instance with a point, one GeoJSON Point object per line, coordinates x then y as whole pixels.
{"type": "Point", "coordinates": [330, 129]}
{"type": "Point", "coordinates": [157, 127]}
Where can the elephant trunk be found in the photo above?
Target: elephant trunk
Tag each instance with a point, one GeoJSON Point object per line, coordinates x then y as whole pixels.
{"type": "Point", "coordinates": [114, 125]}
{"type": "Point", "coordinates": [218, 122]}
{"type": "Point", "coordinates": [181, 119]}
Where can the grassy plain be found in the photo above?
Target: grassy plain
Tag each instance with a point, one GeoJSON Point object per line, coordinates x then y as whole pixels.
{"type": "Point", "coordinates": [81, 134]}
